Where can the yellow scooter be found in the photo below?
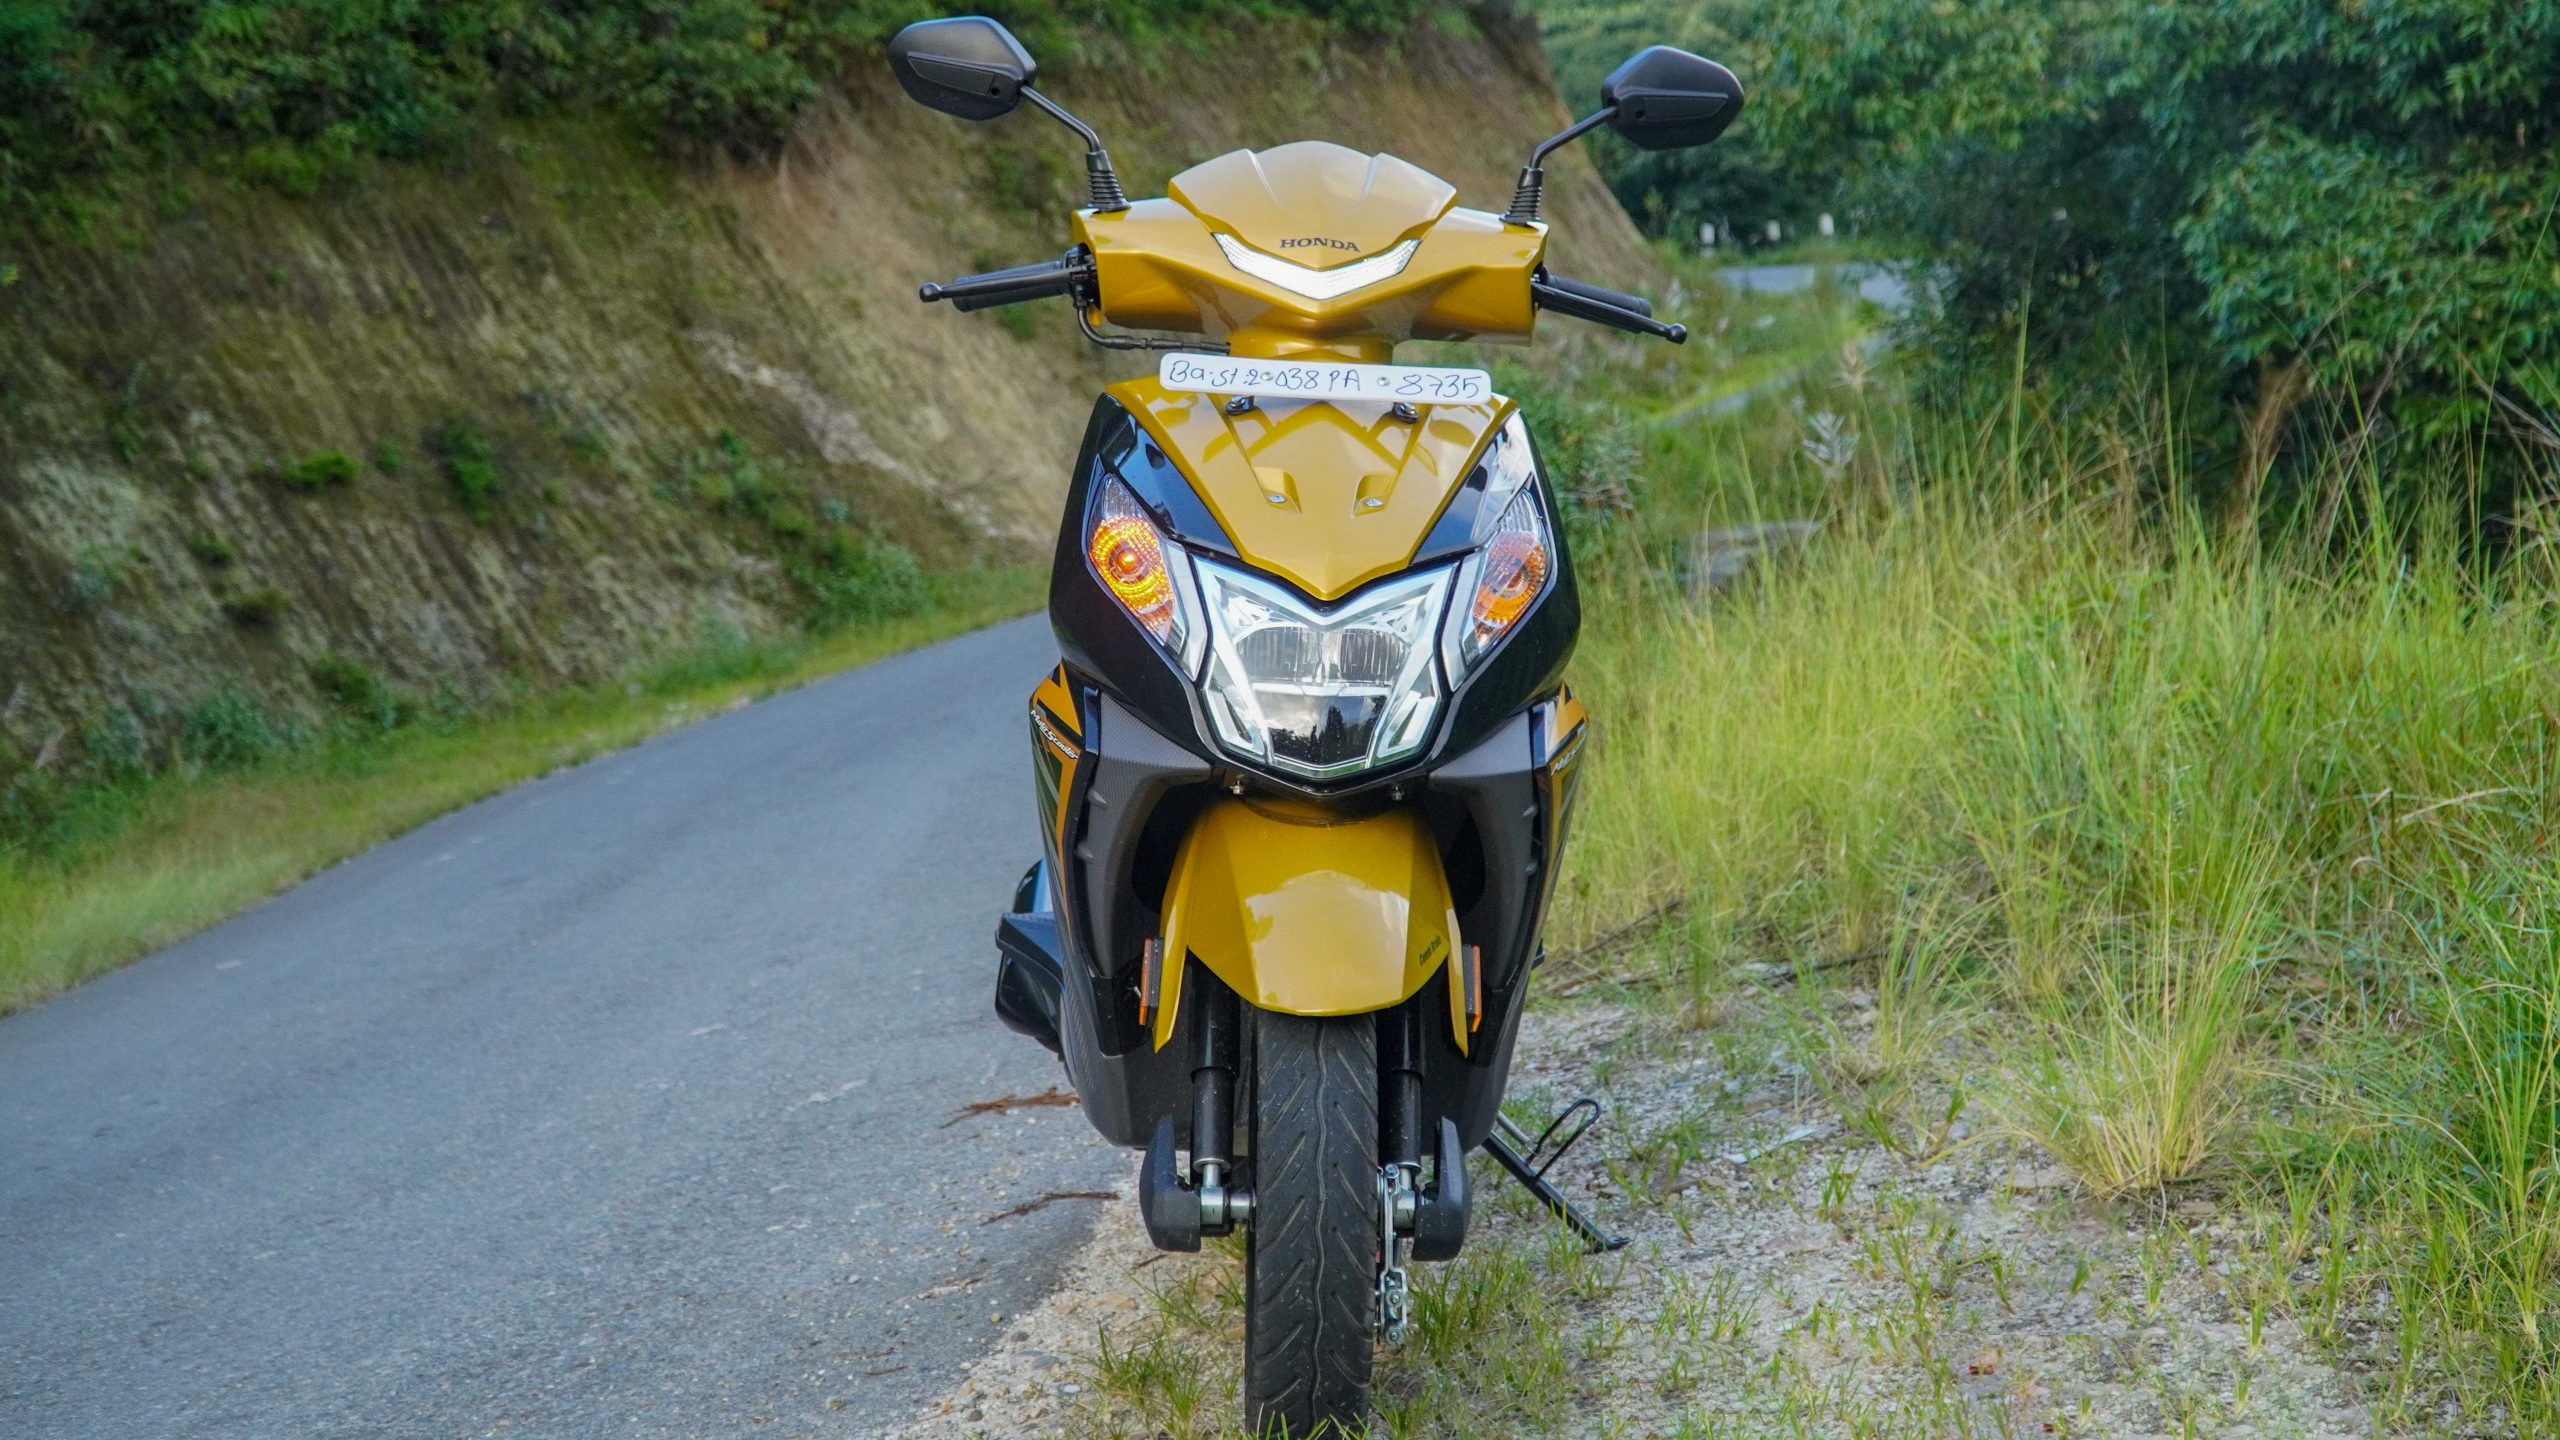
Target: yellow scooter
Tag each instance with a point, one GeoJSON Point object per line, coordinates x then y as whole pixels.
{"type": "Point", "coordinates": [1305, 767]}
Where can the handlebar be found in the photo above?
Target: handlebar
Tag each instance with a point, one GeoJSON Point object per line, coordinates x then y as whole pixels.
{"type": "Point", "coordinates": [1602, 306]}
{"type": "Point", "coordinates": [1071, 274]}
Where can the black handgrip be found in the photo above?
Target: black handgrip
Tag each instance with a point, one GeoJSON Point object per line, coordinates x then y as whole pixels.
{"type": "Point", "coordinates": [1550, 296]}
{"type": "Point", "coordinates": [1070, 275]}
{"type": "Point", "coordinates": [1603, 294]}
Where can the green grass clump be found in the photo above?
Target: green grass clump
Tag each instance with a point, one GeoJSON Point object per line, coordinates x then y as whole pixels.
{"type": "Point", "coordinates": [259, 607]}
{"type": "Point", "coordinates": [323, 470]}
{"type": "Point", "coordinates": [470, 466]}
{"type": "Point", "coordinates": [211, 550]}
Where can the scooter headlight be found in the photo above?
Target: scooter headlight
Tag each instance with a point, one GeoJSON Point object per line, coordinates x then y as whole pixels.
{"type": "Point", "coordinates": [1149, 577]}
{"type": "Point", "coordinates": [1321, 695]}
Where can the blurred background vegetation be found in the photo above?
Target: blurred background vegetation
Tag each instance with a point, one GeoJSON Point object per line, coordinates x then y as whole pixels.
{"type": "Point", "coordinates": [2287, 220]}
{"type": "Point", "coordinates": [294, 92]}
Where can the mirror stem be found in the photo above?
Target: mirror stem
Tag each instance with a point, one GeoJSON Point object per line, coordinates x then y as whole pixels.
{"type": "Point", "coordinates": [1101, 181]}
{"type": "Point", "coordinates": [1533, 176]}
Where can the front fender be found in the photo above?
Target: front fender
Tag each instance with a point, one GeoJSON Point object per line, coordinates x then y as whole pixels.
{"type": "Point", "coordinates": [1304, 911]}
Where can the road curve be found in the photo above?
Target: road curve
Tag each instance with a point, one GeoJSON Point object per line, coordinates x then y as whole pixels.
{"type": "Point", "coordinates": [617, 1105]}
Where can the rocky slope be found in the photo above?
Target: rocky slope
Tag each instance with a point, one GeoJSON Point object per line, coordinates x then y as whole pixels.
{"type": "Point", "coordinates": [524, 420]}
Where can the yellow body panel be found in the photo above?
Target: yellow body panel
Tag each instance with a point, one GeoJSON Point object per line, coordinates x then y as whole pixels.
{"type": "Point", "coordinates": [1313, 200]}
{"type": "Point", "coordinates": [1327, 497]}
{"type": "Point", "coordinates": [1303, 911]}
{"type": "Point", "coordinates": [1158, 265]}
{"type": "Point", "coordinates": [1053, 726]}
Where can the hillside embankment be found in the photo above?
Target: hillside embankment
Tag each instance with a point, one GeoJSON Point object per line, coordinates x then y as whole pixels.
{"type": "Point", "coordinates": [522, 420]}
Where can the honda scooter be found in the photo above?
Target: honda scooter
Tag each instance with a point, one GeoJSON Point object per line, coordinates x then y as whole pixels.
{"type": "Point", "coordinates": [1306, 765]}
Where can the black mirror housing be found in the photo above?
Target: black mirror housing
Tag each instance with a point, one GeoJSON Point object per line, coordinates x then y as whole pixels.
{"type": "Point", "coordinates": [968, 66]}
{"type": "Point", "coordinates": [1667, 99]}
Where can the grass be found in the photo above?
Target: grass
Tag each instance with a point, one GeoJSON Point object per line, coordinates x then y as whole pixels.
{"type": "Point", "coordinates": [2192, 859]}
{"type": "Point", "coordinates": [136, 865]}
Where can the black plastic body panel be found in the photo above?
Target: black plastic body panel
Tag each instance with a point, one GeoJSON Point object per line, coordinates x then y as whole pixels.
{"type": "Point", "coordinates": [1030, 970]}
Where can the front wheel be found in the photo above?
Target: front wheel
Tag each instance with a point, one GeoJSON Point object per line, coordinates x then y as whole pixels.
{"type": "Point", "coordinates": [1311, 1249]}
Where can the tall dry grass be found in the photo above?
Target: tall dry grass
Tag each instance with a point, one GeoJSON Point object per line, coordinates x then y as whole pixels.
{"type": "Point", "coordinates": [2253, 837]}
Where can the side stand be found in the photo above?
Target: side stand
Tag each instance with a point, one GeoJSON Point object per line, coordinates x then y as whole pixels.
{"type": "Point", "coordinates": [1502, 1145]}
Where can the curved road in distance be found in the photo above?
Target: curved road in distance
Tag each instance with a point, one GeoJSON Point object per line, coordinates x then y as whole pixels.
{"type": "Point", "coordinates": [617, 1105]}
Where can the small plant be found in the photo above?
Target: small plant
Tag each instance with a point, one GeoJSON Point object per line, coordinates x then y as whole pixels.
{"type": "Point", "coordinates": [875, 580]}
{"type": "Point", "coordinates": [115, 746]}
{"type": "Point", "coordinates": [388, 457]}
{"type": "Point", "coordinates": [354, 690]}
{"type": "Point", "coordinates": [211, 550]}
{"type": "Point", "coordinates": [258, 608]}
{"type": "Point", "coordinates": [227, 730]}
{"type": "Point", "coordinates": [470, 465]}
{"type": "Point", "coordinates": [322, 470]}
{"type": "Point", "coordinates": [96, 576]}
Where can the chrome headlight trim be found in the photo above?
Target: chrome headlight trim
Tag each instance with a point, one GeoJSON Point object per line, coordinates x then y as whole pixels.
{"type": "Point", "coordinates": [1312, 283]}
{"type": "Point", "coordinates": [1321, 696]}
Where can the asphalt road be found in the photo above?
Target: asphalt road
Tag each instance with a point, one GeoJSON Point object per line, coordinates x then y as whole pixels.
{"type": "Point", "coordinates": [619, 1105]}
{"type": "Point", "coordinates": [1888, 286]}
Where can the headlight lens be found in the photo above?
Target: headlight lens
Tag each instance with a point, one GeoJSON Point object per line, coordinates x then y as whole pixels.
{"type": "Point", "coordinates": [1149, 578]}
{"type": "Point", "coordinates": [1321, 695]}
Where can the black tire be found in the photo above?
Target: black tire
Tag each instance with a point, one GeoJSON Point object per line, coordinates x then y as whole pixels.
{"type": "Point", "coordinates": [1311, 1251]}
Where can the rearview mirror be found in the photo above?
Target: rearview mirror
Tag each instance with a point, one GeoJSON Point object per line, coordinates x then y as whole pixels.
{"type": "Point", "coordinates": [968, 66]}
{"type": "Point", "coordinates": [1667, 99]}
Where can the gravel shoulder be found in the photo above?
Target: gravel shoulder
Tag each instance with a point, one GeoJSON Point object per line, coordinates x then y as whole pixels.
{"type": "Point", "coordinates": [1787, 1275]}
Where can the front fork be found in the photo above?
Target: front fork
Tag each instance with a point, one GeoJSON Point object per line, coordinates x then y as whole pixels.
{"type": "Point", "coordinates": [1179, 1209]}
{"type": "Point", "coordinates": [1415, 1222]}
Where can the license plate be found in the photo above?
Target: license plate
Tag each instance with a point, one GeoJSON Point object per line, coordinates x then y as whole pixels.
{"type": "Point", "coordinates": [1323, 380]}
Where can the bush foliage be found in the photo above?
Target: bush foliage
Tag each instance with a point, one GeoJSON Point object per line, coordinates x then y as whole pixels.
{"type": "Point", "coordinates": [2318, 197]}
{"type": "Point", "coordinates": [2308, 208]}
{"type": "Point", "coordinates": [293, 92]}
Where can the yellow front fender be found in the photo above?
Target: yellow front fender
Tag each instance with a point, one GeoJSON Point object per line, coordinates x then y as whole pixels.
{"type": "Point", "coordinates": [1303, 911]}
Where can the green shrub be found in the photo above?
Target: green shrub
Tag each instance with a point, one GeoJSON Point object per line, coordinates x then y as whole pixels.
{"type": "Point", "coordinates": [2296, 200]}
{"type": "Point", "coordinates": [319, 471]}
{"type": "Point", "coordinates": [258, 608]}
{"type": "Point", "coordinates": [470, 465]}
{"type": "Point", "coordinates": [300, 94]}
{"type": "Point", "coordinates": [356, 691]}
{"type": "Point", "coordinates": [227, 730]}
{"type": "Point", "coordinates": [875, 580]}
{"type": "Point", "coordinates": [214, 551]}
{"type": "Point", "coordinates": [115, 747]}
{"type": "Point", "coordinates": [388, 457]}
{"type": "Point", "coordinates": [96, 576]}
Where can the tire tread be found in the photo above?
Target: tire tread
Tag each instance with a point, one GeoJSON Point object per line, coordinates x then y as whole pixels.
{"type": "Point", "coordinates": [1311, 1262]}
